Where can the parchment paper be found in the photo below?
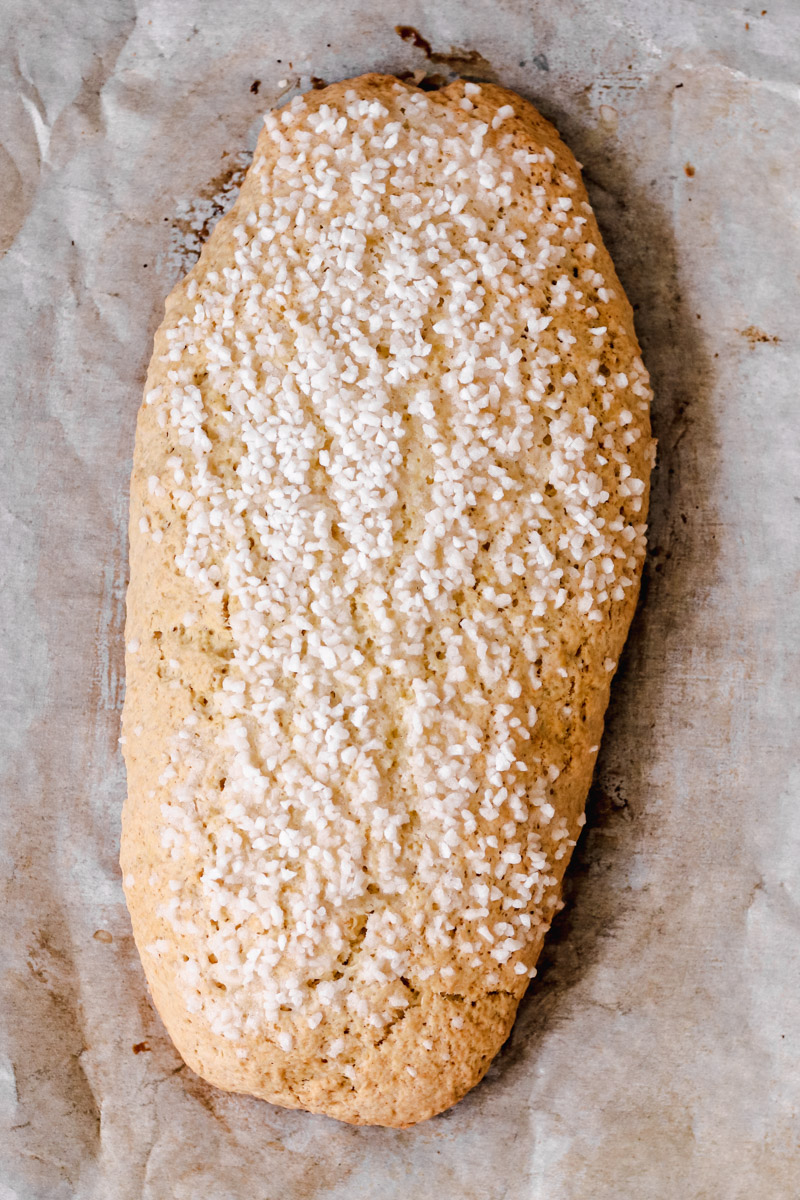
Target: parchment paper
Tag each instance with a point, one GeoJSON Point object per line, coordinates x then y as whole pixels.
{"type": "Point", "coordinates": [657, 1057]}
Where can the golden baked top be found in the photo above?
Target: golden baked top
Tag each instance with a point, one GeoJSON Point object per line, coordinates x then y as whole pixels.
{"type": "Point", "coordinates": [386, 541]}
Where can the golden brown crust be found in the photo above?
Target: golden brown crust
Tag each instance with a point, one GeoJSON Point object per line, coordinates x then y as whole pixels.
{"type": "Point", "coordinates": [442, 1042]}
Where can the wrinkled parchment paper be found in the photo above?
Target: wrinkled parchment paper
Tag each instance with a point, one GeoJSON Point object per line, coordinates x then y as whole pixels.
{"type": "Point", "coordinates": [657, 1056]}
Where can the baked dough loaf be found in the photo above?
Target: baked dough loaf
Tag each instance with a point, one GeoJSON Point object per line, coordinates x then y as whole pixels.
{"type": "Point", "coordinates": [387, 507]}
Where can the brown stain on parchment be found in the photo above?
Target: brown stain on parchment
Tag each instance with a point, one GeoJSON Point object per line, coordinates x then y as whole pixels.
{"type": "Point", "coordinates": [192, 224]}
{"type": "Point", "coordinates": [420, 79]}
{"type": "Point", "coordinates": [463, 62]}
{"type": "Point", "coordinates": [13, 200]}
{"type": "Point", "coordinates": [50, 1028]}
{"type": "Point", "coordinates": [754, 335]}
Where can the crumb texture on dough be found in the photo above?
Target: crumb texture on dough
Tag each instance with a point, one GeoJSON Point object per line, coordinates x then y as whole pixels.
{"type": "Point", "coordinates": [387, 528]}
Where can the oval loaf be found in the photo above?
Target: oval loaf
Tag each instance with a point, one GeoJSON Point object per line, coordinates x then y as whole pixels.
{"type": "Point", "coordinates": [387, 528]}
